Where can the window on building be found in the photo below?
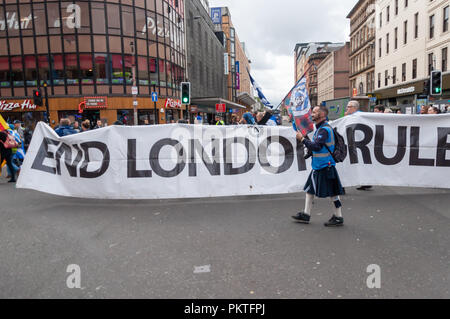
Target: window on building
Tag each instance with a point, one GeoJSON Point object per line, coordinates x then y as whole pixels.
{"type": "Point", "coordinates": [405, 35]}
{"type": "Point", "coordinates": [86, 69]}
{"type": "Point", "coordinates": [381, 19]}
{"type": "Point", "coordinates": [72, 70]}
{"type": "Point", "coordinates": [396, 7]}
{"type": "Point", "coordinates": [394, 75]}
{"type": "Point", "coordinates": [416, 25]}
{"type": "Point", "coordinates": [406, 3]}
{"type": "Point", "coordinates": [414, 69]}
{"type": "Point", "coordinates": [430, 63]}
{"type": "Point", "coordinates": [379, 80]}
{"type": "Point", "coordinates": [379, 47]}
{"type": "Point", "coordinates": [445, 15]}
{"type": "Point", "coordinates": [386, 77]}
{"type": "Point", "coordinates": [403, 72]}
{"type": "Point", "coordinates": [101, 69]}
{"type": "Point", "coordinates": [388, 13]}
{"type": "Point", "coordinates": [432, 26]}
{"type": "Point", "coordinates": [387, 43]}
{"type": "Point", "coordinates": [396, 38]}
{"type": "Point", "coordinates": [444, 59]}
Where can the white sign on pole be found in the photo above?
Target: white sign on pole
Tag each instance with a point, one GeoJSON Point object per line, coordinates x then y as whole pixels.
{"type": "Point", "coordinates": [226, 63]}
{"type": "Point", "coordinates": [189, 161]}
{"type": "Point", "coordinates": [134, 90]}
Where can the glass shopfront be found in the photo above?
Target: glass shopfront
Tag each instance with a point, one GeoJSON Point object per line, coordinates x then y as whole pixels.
{"type": "Point", "coordinates": [90, 47]}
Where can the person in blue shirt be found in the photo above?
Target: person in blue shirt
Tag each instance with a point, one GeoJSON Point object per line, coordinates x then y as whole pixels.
{"type": "Point", "coordinates": [324, 180]}
{"type": "Point", "coordinates": [64, 128]}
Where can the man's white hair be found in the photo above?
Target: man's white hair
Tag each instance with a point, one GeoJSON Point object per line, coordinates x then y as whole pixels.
{"type": "Point", "coordinates": [354, 104]}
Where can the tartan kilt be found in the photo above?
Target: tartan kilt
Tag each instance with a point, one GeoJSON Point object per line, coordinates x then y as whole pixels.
{"type": "Point", "coordinates": [324, 183]}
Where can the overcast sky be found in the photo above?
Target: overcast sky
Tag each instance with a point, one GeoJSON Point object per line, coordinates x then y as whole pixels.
{"type": "Point", "coordinates": [271, 28]}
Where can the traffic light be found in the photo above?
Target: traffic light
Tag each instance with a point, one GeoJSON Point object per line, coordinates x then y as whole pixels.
{"type": "Point", "coordinates": [37, 98]}
{"type": "Point", "coordinates": [436, 83]}
{"type": "Point", "coordinates": [186, 93]}
{"type": "Point", "coordinates": [426, 87]}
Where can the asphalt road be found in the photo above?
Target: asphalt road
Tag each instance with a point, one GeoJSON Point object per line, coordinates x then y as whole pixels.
{"type": "Point", "coordinates": [244, 247]}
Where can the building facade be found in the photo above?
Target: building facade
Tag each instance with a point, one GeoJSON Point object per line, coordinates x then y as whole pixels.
{"type": "Point", "coordinates": [438, 44]}
{"type": "Point", "coordinates": [401, 66]}
{"type": "Point", "coordinates": [333, 75]}
{"type": "Point", "coordinates": [205, 60]}
{"type": "Point", "coordinates": [308, 57]}
{"type": "Point", "coordinates": [236, 60]}
{"type": "Point", "coordinates": [362, 50]}
{"type": "Point", "coordinates": [86, 49]}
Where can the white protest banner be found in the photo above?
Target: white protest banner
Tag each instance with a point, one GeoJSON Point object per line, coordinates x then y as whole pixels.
{"type": "Point", "coordinates": [191, 161]}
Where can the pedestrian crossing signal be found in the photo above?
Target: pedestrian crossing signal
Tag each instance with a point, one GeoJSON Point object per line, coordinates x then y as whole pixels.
{"type": "Point", "coordinates": [436, 83]}
{"type": "Point", "coordinates": [186, 93]}
{"type": "Point", "coordinates": [37, 98]}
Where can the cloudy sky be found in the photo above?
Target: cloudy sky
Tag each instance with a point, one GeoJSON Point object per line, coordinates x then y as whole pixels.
{"type": "Point", "coordinates": [271, 29]}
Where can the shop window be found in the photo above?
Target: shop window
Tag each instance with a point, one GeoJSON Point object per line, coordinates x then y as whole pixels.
{"type": "Point", "coordinates": [162, 73]}
{"type": "Point", "coordinates": [128, 66]}
{"type": "Point", "coordinates": [101, 68]}
{"type": "Point", "coordinates": [143, 70]}
{"type": "Point", "coordinates": [86, 69]}
{"type": "Point", "coordinates": [43, 68]}
{"type": "Point", "coordinates": [153, 68]}
{"type": "Point", "coordinates": [125, 116]}
{"type": "Point", "coordinates": [172, 116]}
{"type": "Point", "coordinates": [72, 70]}
{"type": "Point", "coordinates": [30, 70]}
{"type": "Point", "coordinates": [58, 69]}
{"type": "Point", "coordinates": [30, 119]}
{"type": "Point", "coordinates": [117, 69]}
{"type": "Point", "coordinates": [146, 117]}
{"type": "Point", "coordinates": [17, 71]}
{"type": "Point", "coordinates": [4, 72]}
{"type": "Point", "coordinates": [169, 74]}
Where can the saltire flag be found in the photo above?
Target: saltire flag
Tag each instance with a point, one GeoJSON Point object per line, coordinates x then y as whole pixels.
{"type": "Point", "coordinates": [298, 105]}
{"type": "Point", "coordinates": [260, 93]}
{"type": "Point", "coordinates": [3, 125]}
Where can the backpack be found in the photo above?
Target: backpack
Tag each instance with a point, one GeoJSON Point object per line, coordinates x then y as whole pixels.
{"type": "Point", "coordinates": [340, 148]}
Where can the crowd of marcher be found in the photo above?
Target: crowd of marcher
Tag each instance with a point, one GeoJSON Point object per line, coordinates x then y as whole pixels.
{"type": "Point", "coordinates": [425, 109]}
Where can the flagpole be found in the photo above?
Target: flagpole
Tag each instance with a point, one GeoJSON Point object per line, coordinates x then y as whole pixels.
{"type": "Point", "coordinates": [304, 74]}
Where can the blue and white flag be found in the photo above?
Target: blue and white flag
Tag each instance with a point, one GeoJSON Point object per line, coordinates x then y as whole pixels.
{"type": "Point", "coordinates": [260, 93]}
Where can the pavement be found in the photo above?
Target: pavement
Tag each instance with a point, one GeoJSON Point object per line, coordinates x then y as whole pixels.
{"type": "Point", "coordinates": [241, 247]}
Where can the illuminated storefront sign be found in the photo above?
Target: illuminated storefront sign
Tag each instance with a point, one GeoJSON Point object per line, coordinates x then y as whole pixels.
{"type": "Point", "coordinates": [174, 104]}
{"type": "Point", "coordinates": [26, 105]}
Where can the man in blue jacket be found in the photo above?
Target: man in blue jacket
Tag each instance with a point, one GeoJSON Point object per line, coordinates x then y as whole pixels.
{"type": "Point", "coordinates": [64, 128]}
{"type": "Point", "coordinates": [324, 180]}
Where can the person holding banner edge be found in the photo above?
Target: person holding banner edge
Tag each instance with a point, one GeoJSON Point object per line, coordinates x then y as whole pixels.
{"type": "Point", "coordinates": [323, 181]}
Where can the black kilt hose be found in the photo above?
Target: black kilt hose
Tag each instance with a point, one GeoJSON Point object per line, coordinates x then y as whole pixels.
{"type": "Point", "coordinates": [324, 183]}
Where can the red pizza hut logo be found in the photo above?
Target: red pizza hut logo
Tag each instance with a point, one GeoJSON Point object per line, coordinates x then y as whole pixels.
{"type": "Point", "coordinates": [173, 104]}
{"type": "Point", "coordinates": [26, 105]}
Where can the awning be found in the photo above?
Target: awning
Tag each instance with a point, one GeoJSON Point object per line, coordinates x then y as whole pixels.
{"type": "Point", "coordinates": [245, 98]}
{"type": "Point", "coordinates": [212, 101]}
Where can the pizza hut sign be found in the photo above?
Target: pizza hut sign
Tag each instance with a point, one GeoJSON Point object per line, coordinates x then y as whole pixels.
{"type": "Point", "coordinates": [173, 104]}
{"type": "Point", "coordinates": [26, 105]}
